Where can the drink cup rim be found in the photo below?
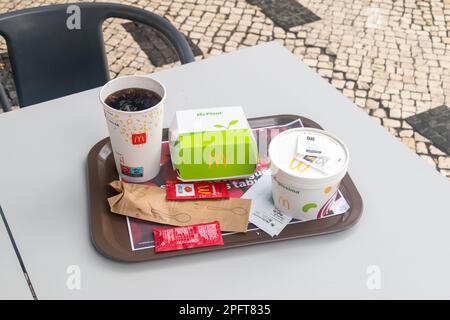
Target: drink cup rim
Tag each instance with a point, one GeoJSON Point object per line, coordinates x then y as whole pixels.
{"type": "Point", "coordinates": [163, 98]}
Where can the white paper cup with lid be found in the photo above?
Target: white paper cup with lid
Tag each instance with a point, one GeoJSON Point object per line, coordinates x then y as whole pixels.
{"type": "Point", "coordinates": [300, 189]}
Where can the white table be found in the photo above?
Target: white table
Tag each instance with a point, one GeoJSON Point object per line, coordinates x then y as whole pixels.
{"type": "Point", "coordinates": [404, 230]}
{"type": "Point", "coordinates": [13, 284]}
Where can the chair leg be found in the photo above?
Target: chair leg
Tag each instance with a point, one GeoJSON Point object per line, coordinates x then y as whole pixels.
{"type": "Point", "coordinates": [4, 101]}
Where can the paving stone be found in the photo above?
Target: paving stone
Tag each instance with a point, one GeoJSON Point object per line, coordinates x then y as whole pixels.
{"type": "Point", "coordinates": [444, 162]}
{"type": "Point", "coordinates": [339, 84]}
{"type": "Point", "coordinates": [372, 104]}
{"type": "Point", "coordinates": [350, 84]}
{"type": "Point", "coordinates": [391, 123]}
{"type": "Point", "coordinates": [379, 113]}
{"type": "Point", "coordinates": [406, 133]}
{"type": "Point", "coordinates": [410, 142]}
{"type": "Point", "coordinates": [361, 93]}
{"type": "Point", "coordinates": [325, 72]}
{"type": "Point", "coordinates": [361, 102]}
{"type": "Point", "coordinates": [435, 125]}
{"type": "Point", "coordinates": [285, 13]}
{"type": "Point", "coordinates": [395, 113]}
{"type": "Point", "coordinates": [421, 148]}
{"type": "Point", "coordinates": [436, 151]}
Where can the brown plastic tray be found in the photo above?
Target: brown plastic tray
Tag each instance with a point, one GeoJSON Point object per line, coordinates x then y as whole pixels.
{"type": "Point", "coordinates": [109, 231]}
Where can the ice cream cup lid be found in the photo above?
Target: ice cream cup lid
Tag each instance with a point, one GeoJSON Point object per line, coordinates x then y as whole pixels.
{"type": "Point", "coordinates": [308, 155]}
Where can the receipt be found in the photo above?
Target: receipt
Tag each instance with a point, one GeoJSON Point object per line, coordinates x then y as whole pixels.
{"type": "Point", "coordinates": [263, 214]}
{"type": "Point", "coordinates": [272, 222]}
{"type": "Point", "coordinates": [310, 144]}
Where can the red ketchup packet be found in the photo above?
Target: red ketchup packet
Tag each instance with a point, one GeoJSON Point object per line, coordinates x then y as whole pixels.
{"type": "Point", "coordinates": [195, 236]}
{"type": "Point", "coordinates": [196, 190]}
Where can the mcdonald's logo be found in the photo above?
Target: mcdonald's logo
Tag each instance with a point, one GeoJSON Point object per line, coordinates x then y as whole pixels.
{"type": "Point", "coordinates": [284, 202]}
{"type": "Point", "coordinates": [139, 138]}
{"type": "Point", "coordinates": [298, 165]}
{"type": "Point", "coordinates": [204, 189]}
{"type": "Point", "coordinates": [219, 159]}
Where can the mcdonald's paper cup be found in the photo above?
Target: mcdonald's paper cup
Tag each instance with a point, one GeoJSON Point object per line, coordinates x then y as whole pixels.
{"type": "Point", "coordinates": [135, 136]}
{"type": "Point", "coordinates": [307, 167]}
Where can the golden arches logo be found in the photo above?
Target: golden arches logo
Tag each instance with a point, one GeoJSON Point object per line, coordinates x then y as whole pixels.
{"type": "Point", "coordinates": [298, 165]}
{"type": "Point", "coordinates": [139, 138]}
{"type": "Point", "coordinates": [284, 202]}
{"type": "Point", "coordinates": [204, 189]}
{"type": "Point", "coordinates": [219, 158]}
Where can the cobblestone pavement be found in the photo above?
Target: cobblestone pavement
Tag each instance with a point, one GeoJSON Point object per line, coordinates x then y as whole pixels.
{"type": "Point", "coordinates": [391, 58]}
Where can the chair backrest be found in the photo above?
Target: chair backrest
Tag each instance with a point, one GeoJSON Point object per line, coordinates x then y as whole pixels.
{"type": "Point", "coordinates": [50, 57]}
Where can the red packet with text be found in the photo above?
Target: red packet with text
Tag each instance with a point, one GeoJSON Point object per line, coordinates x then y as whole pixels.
{"type": "Point", "coordinates": [195, 236]}
{"type": "Point", "coordinates": [196, 190]}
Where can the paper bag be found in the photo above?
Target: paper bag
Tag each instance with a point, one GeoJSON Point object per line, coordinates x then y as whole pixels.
{"type": "Point", "coordinates": [149, 203]}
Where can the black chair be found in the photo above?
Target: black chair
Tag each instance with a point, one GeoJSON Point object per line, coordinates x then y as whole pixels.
{"type": "Point", "coordinates": [50, 60]}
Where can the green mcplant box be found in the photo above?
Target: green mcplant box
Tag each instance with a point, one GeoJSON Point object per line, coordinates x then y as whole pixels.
{"type": "Point", "coordinates": [212, 144]}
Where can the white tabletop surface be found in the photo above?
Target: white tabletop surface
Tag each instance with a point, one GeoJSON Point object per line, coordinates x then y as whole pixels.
{"type": "Point", "coordinates": [12, 280]}
{"type": "Point", "coordinates": [404, 231]}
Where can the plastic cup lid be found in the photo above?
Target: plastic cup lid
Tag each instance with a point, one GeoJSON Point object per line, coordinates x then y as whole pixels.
{"type": "Point", "coordinates": [309, 153]}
